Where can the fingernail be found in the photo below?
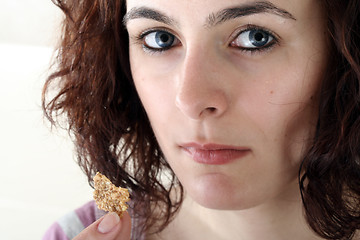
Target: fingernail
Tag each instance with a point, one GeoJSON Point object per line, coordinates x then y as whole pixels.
{"type": "Point", "coordinates": [108, 222]}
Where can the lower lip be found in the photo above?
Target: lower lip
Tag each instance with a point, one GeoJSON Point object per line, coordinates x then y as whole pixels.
{"type": "Point", "coordinates": [215, 157]}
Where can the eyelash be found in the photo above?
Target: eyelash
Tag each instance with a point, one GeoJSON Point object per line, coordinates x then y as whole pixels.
{"type": "Point", "coordinates": [141, 39]}
{"type": "Point", "coordinates": [274, 40]}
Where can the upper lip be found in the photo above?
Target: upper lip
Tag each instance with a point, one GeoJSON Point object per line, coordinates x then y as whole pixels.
{"type": "Point", "coordinates": [212, 146]}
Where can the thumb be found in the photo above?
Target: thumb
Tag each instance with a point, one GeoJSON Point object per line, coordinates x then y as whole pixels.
{"type": "Point", "coordinates": [109, 227]}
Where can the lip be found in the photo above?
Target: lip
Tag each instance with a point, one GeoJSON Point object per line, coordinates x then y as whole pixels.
{"type": "Point", "coordinates": [214, 154]}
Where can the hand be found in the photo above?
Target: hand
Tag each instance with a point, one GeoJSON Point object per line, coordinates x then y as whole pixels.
{"type": "Point", "coordinates": [109, 227]}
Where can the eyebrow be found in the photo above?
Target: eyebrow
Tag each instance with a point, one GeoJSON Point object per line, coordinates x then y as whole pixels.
{"type": "Point", "coordinates": [148, 13]}
{"type": "Point", "coordinates": [213, 18]}
{"type": "Point", "coordinates": [245, 10]}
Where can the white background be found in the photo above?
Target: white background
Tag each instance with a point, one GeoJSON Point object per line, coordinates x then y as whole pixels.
{"type": "Point", "coordinates": [39, 179]}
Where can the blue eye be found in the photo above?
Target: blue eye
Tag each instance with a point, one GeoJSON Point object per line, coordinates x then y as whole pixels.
{"type": "Point", "coordinates": [159, 40]}
{"type": "Point", "coordinates": [253, 39]}
{"type": "Point", "coordinates": [259, 38]}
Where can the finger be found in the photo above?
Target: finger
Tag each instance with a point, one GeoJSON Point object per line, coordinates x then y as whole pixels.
{"type": "Point", "coordinates": [109, 227]}
{"type": "Point", "coordinates": [125, 231]}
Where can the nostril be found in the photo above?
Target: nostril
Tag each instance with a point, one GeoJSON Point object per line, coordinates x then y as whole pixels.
{"type": "Point", "coordinates": [211, 109]}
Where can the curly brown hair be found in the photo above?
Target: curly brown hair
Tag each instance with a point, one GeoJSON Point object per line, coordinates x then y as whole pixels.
{"type": "Point", "coordinates": [330, 186]}
{"type": "Point", "coordinates": [93, 88]}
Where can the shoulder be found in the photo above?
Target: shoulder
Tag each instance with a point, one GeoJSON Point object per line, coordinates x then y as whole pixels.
{"type": "Point", "coordinates": [70, 225]}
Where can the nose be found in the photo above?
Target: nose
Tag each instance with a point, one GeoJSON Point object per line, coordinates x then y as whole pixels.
{"type": "Point", "coordinates": [201, 91]}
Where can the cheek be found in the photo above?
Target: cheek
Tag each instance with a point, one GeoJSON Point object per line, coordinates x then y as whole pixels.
{"type": "Point", "coordinates": [285, 106]}
{"type": "Point", "coordinates": [157, 102]}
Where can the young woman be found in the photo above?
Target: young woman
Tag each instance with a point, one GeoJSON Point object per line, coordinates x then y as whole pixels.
{"type": "Point", "coordinates": [234, 119]}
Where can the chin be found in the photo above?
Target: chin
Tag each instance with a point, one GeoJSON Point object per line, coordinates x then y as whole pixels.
{"type": "Point", "coordinates": [215, 191]}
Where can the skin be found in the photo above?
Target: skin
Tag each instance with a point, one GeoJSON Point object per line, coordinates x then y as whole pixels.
{"type": "Point", "coordinates": [205, 89]}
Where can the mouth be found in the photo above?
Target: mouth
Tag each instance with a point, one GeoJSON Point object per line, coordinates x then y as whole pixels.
{"type": "Point", "coordinates": [214, 154]}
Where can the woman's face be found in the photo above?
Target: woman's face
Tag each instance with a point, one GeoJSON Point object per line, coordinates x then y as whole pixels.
{"type": "Point", "coordinates": [231, 91]}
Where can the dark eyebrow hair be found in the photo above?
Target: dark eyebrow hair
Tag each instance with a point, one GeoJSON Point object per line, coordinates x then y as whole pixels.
{"type": "Point", "coordinates": [247, 9]}
{"type": "Point", "coordinates": [214, 18]}
{"type": "Point", "coordinates": [144, 12]}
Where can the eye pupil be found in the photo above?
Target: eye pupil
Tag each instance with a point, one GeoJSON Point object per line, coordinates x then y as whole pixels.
{"type": "Point", "coordinates": [164, 39]}
{"type": "Point", "coordinates": [258, 38]}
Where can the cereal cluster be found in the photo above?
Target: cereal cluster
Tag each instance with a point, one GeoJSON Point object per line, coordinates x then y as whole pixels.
{"type": "Point", "coordinates": [108, 197]}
